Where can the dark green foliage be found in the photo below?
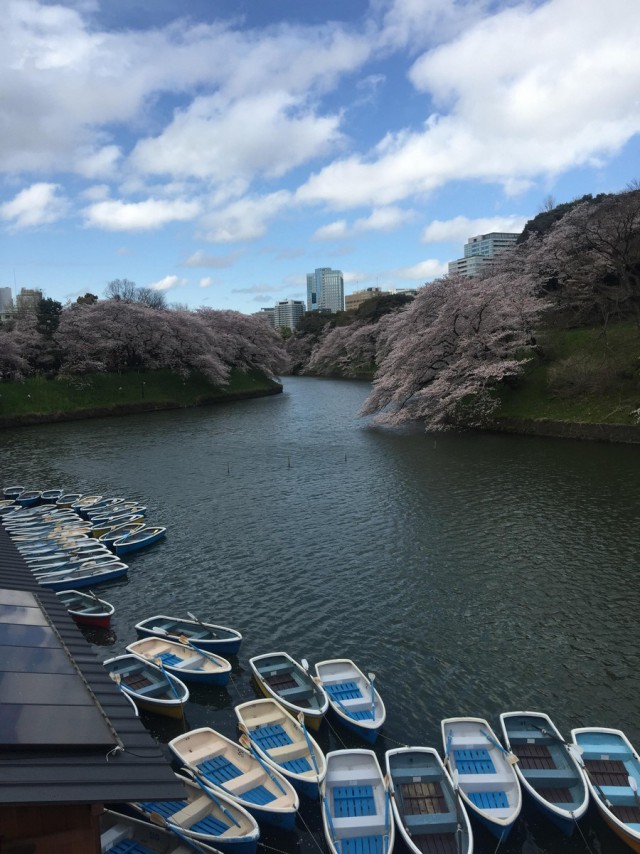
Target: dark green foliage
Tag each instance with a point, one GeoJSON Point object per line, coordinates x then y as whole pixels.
{"type": "Point", "coordinates": [373, 309]}
{"type": "Point", "coordinates": [546, 219]}
{"type": "Point", "coordinates": [48, 315]}
{"type": "Point", "coordinates": [313, 322]}
{"type": "Point", "coordinates": [87, 299]}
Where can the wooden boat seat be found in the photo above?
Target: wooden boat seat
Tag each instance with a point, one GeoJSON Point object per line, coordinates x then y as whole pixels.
{"type": "Point", "coordinates": [134, 679]}
{"type": "Point", "coordinates": [629, 814]}
{"type": "Point", "coordinates": [607, 772]}
{"type": "Point", "coordinates": [154, 689]}
{"type": "Point", "coordinates": [279, 681]}
{"type": "Point", "coordinates": [423, 797]}
{"type": "Point", "coordinates": [443, 822]}
{"type": "Point", "coordinates": [409, 774]}
{"type": "Point", "coordinates": [533, 756]}
{"type": "Point", "coordinates": [363, 845]}
{"type": "Point", "coordinates": [197, 816]}
{"type": "Point", "coordinates": [269, 736]}
{"type": "Point", "coordinates": [244, 782]}
{"type": "Point", "coordinates": [474, 761]}
{"type": "Point", "coordinates": [289, 751]}
{"type": "Point", "coordinates": [556, 795]}
{"type": "Point", "coordinates": [271, 717]}
{"type": "Point", "coordinates": [219, 770]}
{"type": "Point", "coordinates": [299, 696]}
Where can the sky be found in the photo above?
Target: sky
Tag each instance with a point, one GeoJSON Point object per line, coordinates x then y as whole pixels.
{"type": "Point", "coordinates": [220, 150]}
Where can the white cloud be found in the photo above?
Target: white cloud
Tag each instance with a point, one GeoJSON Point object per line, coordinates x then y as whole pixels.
{"type": "Point", "coordinates": [98, 164]}
{"type": "Point", "coordinates": [205, 282]}
{"type": "Point", "coordinates": [380, 219]}
{"type": "Point", "coordinates": [38, 204]}
{"type": "Point", "coordinates": [168, 283]}
{"type": "Point", "coordinates": [424, 270]}
{"type": "Point", "coordinates": [139, 216]}
{"type": "Point", "coordinates": [556, 88]}
{"type": "Point", "coordinates": [202, 259]}
{"type": "Point", "coordinates": [246, 219]}
{"type": "Point", "coordinates": [461, 228]}
{"type": "Point", "coordinates": [265, 134]}
{"type": "Point", "coordinates": [332, 231]}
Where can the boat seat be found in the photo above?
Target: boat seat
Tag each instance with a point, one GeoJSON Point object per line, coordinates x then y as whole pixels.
{"type": "Point", "coordinates": [607, 772]}
{"type": "Point", "coordinates": [197, 816]}
{"type": "Point", "coordinates": [422, 797]}
{"type": "Point", "coordinates": [489, 800]}
{"type": "Point", "coordinates": [126, 846]}
{"type": "Point", "coordinates": [558, 795]}
{"type": "Point", "coordinates": [476, 761]}
{"type": "Point", "coordinates": [292, 750]}
{"type": "Point", "coordinates": [166, 809]}
{"type": "Point", "coordinates": [244, 782]}
{"type": "Point", "coordinates": [362, 845]}
{"type": "Point", "coordinates": [219, 770]}
{"type": "Point", "coordinates": [618, 751]}
{"type": "Point", "coordinates": [297, 766]}
{"type": "Point", "coordinates": [274, 669]}
{"type": "Point", "coordinates": [299, 695]}
{"type": "Point", "coordinates": [189, 662]}
{"type": "Point", "coordinates": [349, 801]}
{"type": "Point", "coordinates": [154, 689]}
{"type": "Point", "coordinates": [534, 756]}
{"type": "Point", "coordinates": [562, 777]}
{"type": "Point", "coordinates": [273, 716]}
{"type": "Point", "coordinates": [629, 814]}
{"type": "Point", "coordinates": [428, 822]}
{"type": "Point", "coordinates": [270, 736]}
{"type": "Point", "coordinates": [619, 795]}
{"type": "Point", "coordinates": [343, 691]}
{"type": "Point", "coordinates": [415, 775]}
{"type": "Point", "coordinates": [528, 736]}
{"type": "Point", "coordinates": [170, 659]}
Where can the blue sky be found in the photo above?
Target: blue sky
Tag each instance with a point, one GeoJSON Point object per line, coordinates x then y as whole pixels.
{"type": "Point", "coordinates": [219, 150]}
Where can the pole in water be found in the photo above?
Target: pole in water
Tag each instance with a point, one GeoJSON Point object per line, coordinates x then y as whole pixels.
{"type": "Point", "coordinates": [228, 469]}
{"type": "Point", "coordinates": [288, 462]}
{"type": "Point", "coordinates": [345, 458]}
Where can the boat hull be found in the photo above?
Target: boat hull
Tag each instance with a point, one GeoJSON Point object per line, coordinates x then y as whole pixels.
{"type": "Point", "coordinates": [223, 646]}
{"type": "Point", "coordinates": [311, 721]}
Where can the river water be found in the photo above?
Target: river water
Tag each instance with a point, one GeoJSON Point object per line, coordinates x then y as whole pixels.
{"type": "Point", "coordinates": [473, 573]}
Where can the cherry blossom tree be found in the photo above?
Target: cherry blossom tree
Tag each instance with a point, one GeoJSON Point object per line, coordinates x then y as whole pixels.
{"type": "Point", "coordinates": [13, 365]}
{"type": "Point", "coordinates": [245, 341]}
{"type": "Point", "coordinates": [348, 350]}
{"type": "Point", "coordinates": [441, 358]}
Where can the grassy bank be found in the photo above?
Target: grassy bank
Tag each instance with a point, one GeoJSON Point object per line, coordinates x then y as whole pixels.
{"type": "Point", "coordinates": [39, 399]}
{"type": "Point", "coordinates": [581, 376]}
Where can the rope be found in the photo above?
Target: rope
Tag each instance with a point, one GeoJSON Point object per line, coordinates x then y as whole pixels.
{"type": "Point", "coordinates": [337, 735]}
{"type": "Point", "coordinates": [589, 848]}
{"type": "Point", "coordinates": [308, 829]}
{"type": "Point", "coordinates": [271, 848]}
{"type": "Point", "coordinates": [393, 740]}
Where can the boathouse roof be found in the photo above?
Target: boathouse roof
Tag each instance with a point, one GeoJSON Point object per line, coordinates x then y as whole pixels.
{"type": "Point", "coordinates": [67, 734]}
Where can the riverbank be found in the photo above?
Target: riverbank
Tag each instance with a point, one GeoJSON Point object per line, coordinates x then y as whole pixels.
{"type": "Point", "coordinates": [38, 400]}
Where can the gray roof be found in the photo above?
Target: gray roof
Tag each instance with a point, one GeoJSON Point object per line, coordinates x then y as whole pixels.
{"type": "Point", "coordinates": [35, 772]}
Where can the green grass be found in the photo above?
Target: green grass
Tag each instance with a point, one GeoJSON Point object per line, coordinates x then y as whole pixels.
{"type": "Point", "coordinates": [581, 376]}
{"type": "Point", "coordinates": [37, 395]}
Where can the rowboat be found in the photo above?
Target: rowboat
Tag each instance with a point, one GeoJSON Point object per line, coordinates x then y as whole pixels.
{"type": "Point", "coordinates": [612, 769]}
{"type": "Point", "coordinates": [426, 807]}
{"type": "Point", "coordinates": [86, 609]}
{"type": "Point", "coordinates": [68, 499]}
{"type": "Point", "coordinates": [101, 527]}
{"type": "Point", "coordinates": [479, 766]}
{"type": "Point", "coordinates": [83, 576]}
{"type": "Point", "coordinates": [205, 636]}
{"type": "Point", "coordinates": [352, 697]}
{"type": "Point", "coordinates": [548, 768]}
{"type": "Point", "coordinates": [281, 677]}
{"type": "Point", "coordinates": [12, 491]}
{"type": "Point", "coordinates": [185, 662]}
{"type": "Point", "coordinates": [206, 817]}
{"type": "Point", "coordinates": [283, 742]}
{"type": "Point", "coordinates": [123, 834]}
{"type": "Point", "coordinates": [51, 495]}
{"type": "Point", "coordinates": [103, 506]}
{"type": "Point", "coordinates": [151, 688]}
{"type": "Point", "coordinates": [86, 502]}
{"type": "Point", "coordinates": [356, 811]}
{"type": "Point", "coordinates": [140, 539]}
{"type": "Point", "coordinates": [225, 766]}
{"type": "Point", "coordinates": [119, 531]}
{"type": "Point", "coordinates": [28, 498]}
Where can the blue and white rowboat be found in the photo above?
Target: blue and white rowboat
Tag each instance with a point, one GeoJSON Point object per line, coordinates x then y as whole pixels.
{"type": "Point", "coordinates": [353, 698]}
{"type": "Point", "coordinates": [185, 662]}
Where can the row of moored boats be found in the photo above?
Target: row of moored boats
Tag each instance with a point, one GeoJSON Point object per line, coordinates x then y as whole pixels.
{"type": "Point", "coordinates": [431, 801]}
{"type": "Point", "coordinates": [72, 541]}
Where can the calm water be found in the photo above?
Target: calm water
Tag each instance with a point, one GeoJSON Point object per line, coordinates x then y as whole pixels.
{"type": "Point", "coordinates": [472, 573]}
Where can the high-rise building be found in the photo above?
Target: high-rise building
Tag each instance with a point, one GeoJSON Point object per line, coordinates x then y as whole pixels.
{"type": "Point", "coordinates": [287, 313]}
{"type": "Point", "coordinates": [6, 304]}
{"type": "Point", "coordinates": [325, 290]}
{"type": "Point", "coordinates": [479, 250]}
{"type": "Point", "coordinates": [27, 300]}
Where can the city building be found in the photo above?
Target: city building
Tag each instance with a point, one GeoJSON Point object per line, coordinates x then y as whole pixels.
{"type": "Point", "coordinates": [269, 315]}
{"type": "Point", "coordinates": [325, 290]}
{"type": "Point", "coordinates": [287, 313]}
{"type": "Point", "coordinates": [27, 300]}
{"type": "Point", "coordinates": [480, 250]}
{"type": "Point", "coordinates": [355, 300]}
{"type": "Point", "coordinates": [6, 304]}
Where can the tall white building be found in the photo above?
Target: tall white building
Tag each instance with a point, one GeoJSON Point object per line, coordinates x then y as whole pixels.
{"type": "Point", "coordinates": [6, 304]}
{"type": "Point", "coordinates": [325, 290]}
{"type": "Point", "coordinates": [287, 313]}
{"type": "Point", "coordinates": [481, 249]}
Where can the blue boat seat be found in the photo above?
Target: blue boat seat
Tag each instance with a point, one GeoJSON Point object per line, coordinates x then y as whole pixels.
{"type": "Point", "coordinates": [128, 846]}
{"type": "Point", "coordinates": [542, 777]}
{"type": "Point", "coordinates": [219, 770]}
{"type": "Point", "coordinates": [269, 736]}
{"type": "Point", "coordinates": [352, 801]}
{"type": "Point", "coordinates": [259, 795]}
{"type": "Point", "coordinates": [343, 690]}
{"type": "Point", "coordinates": [170, 659]}
{"type": "Point", "coordinates": [298, 766]}
{"type": "Point", "coordinates": [211, 825]}
{"type": "Point", "coordinates": [474, 761]}
{"type": "Point", "coordinates": [164, 808]}
{"type": "Point", "coordinates": [489, 800]}
{"type": "Point", "coordinates": [362, 845]}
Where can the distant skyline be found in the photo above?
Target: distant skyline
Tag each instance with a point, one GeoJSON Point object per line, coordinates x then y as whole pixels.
{"type": "Point", "coordinates": [219, 150]}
